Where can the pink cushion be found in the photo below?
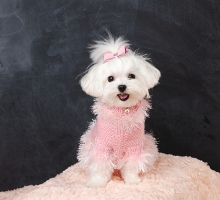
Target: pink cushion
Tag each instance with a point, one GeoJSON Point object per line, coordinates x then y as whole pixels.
{"type": "Point", "coordinates": [174, 178]}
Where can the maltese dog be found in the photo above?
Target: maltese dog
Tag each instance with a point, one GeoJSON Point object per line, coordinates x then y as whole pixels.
{"type": "Point", "coordinates": [119, 79]}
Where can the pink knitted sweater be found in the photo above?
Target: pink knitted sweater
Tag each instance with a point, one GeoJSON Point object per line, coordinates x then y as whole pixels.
{"type": "Point", "coordinates": [113, 130]}
{"type": "Point", "coordinates": [116, 136]}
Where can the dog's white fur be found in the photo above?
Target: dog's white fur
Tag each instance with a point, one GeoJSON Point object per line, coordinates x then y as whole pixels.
{"type": "Point", "coordinates": [95, 83]}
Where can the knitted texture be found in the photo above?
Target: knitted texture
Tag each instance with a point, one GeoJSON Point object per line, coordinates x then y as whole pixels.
{"type": "Point", "coordinates": [117, 137]}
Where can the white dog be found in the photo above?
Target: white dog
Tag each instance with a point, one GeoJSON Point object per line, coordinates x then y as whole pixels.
{"type": "Point", "coordinates": [119, 79]}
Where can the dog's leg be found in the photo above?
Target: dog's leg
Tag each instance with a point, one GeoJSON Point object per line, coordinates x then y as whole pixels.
{"type": "Point", "coordinates": [100, 176]}
{"type": "Point", "coordinates": [140, 163]}
{"type": "Point", "coordinates": [130, 174]}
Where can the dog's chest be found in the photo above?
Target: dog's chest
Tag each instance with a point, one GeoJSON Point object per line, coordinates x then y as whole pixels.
{"type": "Point", "coordinates": [118, 132]}
{"type": "Point", "coordinates": [119, 128]}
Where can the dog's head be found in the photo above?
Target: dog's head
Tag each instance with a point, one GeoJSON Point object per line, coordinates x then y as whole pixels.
{"type": "Point", "coordinates": [118, 76]}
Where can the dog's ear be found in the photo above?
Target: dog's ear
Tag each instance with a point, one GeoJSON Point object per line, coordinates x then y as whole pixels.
{"type": "Point", "coordinates": [92, 82]}
{"type": "Point", "coordinates": [150, 73]}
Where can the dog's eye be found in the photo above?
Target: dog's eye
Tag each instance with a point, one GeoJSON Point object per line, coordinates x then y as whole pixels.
{"type": "Point", "coordinates": [110, 78]}
{"type": "Point", "coordinates": [131, 76]}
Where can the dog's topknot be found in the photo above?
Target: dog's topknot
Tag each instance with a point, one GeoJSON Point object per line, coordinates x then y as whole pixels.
{"type": "Point", "coordinates": [110, 44]}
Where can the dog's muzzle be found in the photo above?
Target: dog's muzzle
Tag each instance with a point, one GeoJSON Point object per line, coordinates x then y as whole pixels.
{"type": "Point", "coordinates": [122, 96]}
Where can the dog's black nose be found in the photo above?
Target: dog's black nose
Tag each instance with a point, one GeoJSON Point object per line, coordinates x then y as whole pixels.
{"type": "Point", "coordinates": [122, 88]}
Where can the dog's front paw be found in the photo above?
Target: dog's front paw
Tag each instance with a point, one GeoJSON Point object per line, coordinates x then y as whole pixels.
{"type": "Point", "coordinates": [97, 181]}
{"type": "Point", "coordinates": [132, 178]}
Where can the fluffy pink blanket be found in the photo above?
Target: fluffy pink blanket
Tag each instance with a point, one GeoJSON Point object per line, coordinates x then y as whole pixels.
{"type": "Point", "coordinates": [174, 178]}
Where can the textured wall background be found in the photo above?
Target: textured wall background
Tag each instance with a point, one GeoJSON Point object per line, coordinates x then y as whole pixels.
{"type": "Point", "coordinates": [43, 48]}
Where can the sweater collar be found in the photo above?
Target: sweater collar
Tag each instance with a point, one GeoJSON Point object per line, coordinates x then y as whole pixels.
{"type": "Point", "coordinates": [122, 111]}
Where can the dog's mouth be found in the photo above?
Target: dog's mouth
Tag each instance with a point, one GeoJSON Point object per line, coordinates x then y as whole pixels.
{"type": "Point", "coordinates": [123, 96]}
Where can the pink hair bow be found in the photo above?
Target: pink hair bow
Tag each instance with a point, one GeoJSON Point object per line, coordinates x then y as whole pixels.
{"type": "Point", "coordinates": [122, 51]}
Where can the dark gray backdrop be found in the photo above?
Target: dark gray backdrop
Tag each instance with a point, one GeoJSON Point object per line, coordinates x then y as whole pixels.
{"type": "Point", "coordinates": [43, 48]}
